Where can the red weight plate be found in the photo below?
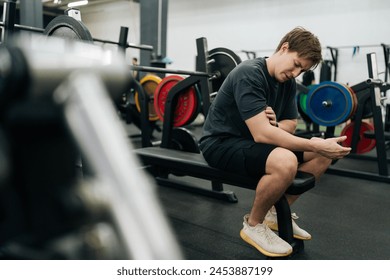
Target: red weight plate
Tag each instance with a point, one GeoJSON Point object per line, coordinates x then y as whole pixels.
{"type": "Point", "coordinates": [364, 144]}
{"type": "Point", "coordinates": [186, 104]}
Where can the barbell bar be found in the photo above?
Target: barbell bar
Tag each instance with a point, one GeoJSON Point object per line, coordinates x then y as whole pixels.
{"type": "Point", "coordinates": [134, 46]}
{"type": "Point", "coordinates": [24, 27]}
{"type": "Point", "coordinates": [168, 71]}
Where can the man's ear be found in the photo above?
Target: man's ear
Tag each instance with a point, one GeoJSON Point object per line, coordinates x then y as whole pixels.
{"type": "Point", "coordinates": [285, 46]}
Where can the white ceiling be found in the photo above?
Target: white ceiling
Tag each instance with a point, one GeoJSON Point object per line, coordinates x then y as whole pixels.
{"type": "Point", "coordinates": [64, 3]}
{"type": "Point", "coordinates": [58, 6]}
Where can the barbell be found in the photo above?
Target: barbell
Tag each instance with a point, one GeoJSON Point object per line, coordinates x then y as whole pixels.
{"type": "Point", "coordinates": [330, 103]}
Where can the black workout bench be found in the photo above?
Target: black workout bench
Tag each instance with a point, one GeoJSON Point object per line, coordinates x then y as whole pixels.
{"type": "Point", "coordinates": [161, 162]}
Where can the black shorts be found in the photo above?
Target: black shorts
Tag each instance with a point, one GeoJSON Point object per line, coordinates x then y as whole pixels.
{"type": "Point", "coordinates": [241, 156]}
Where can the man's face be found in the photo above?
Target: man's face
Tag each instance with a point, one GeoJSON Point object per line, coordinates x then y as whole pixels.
{"type": "Point", "coordinates": [290, 65]}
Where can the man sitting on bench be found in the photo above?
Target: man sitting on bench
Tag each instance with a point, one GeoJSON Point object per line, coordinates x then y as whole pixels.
{"type": "Point", "coordinates": [249, 130]}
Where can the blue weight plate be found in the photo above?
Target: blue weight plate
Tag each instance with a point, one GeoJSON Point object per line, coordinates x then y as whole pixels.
{"type": "Point", "coordinates": [329, 104]}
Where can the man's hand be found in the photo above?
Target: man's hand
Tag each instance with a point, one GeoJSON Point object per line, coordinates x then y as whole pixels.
{"type": "Point", "coordinates": [271, 116]}
{"type": "Point", "coordinates": [331, 147]}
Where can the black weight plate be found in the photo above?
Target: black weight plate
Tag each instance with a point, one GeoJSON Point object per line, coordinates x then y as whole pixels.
{"type": "Point", "coordinates": [225, 61]}
{"type": "Point", "coordinates": [184, 140]}
{"type": "Point", "coordinates": [68, 27]}
{"type": "Point", "coordinates": [199, 107]}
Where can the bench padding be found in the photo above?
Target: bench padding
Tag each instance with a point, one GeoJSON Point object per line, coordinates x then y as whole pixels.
{"type": "Point", "coordinates": [195, 165]}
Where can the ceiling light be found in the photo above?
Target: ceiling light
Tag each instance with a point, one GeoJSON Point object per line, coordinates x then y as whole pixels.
{"type": "Point", "coordinates": [77, 3]}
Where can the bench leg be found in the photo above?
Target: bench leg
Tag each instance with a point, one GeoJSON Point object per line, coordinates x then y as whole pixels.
{"type": "Point", "coordinates": [285, 225]}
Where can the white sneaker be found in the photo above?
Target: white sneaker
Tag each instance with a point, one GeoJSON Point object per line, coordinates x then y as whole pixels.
{"type": "Point", "coordinates": [272, 221]}
{"type": "Point", "coordinates": [264, 239]}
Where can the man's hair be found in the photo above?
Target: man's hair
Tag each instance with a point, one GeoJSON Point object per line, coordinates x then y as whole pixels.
{"type": "Point", "coordinates": [305, 43]}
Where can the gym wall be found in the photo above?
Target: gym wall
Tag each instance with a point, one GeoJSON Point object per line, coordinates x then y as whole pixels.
{"type": "Point", "coordinates": [104, 22]}
{"type": "Point", "coordinates": [258, 25]}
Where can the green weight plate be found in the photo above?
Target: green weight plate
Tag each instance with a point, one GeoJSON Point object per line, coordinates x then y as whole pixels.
{"type": "Point", "coordinates": [223, 61]}
{"type": "Point", "coordinates": [302, 105]}
{"type": "Point", "coordinates": [301, 102]}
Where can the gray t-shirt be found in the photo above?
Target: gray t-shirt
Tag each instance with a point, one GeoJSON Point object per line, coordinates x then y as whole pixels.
{"type": "Point", "coordinates": [246, 92]}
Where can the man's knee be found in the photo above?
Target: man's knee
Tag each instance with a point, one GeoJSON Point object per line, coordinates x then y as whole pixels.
{"type": "Point", "coordinates": [282, 162]}
{"type": "Point", "coordinates": [317, 165]}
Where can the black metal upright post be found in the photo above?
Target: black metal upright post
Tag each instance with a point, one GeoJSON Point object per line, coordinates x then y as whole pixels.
{"type": "Point", "coordinates": [31, 13]}
{"type": "Point", "coordinates": [123, 38]}
{"type": "Point", "coordinates": [153, 18]}
{"type": "Point", "coordinates": [9, 11]}
{"type": "Point", "coordinates": [386, 52]}
{"type": "Point", "coordinates": [202, 66]}
{"type": "Point", "coordinates": [334, 52]}
{"type": "Point", "coordinates": [377, 115]}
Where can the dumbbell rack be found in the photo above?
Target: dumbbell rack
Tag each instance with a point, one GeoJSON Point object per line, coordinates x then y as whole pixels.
{"type": "Point", "coordinates": [369, 95]}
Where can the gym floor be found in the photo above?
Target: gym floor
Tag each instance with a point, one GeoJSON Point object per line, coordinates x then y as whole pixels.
{"type": "Point", "coordinates": [347, 217]}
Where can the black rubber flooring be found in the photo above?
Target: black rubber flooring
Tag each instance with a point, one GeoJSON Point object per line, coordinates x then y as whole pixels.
{"type": "Point", "coordinates": [349, 219]}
